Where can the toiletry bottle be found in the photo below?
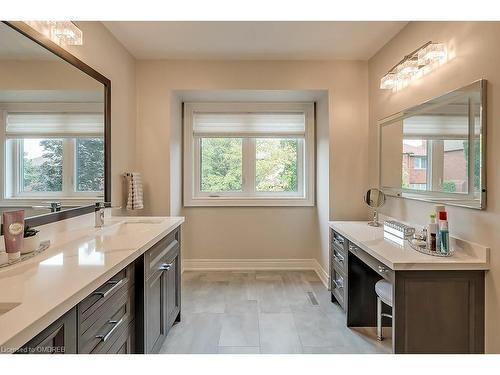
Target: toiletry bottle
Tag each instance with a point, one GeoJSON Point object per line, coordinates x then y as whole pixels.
{"type": "Point", "coordinates": [438, 208]}
{"type": "Point", "coordinates": [13, 233]}
{"type": "Point", "coordinates": [444, 236]}
{"type": "Point", "coordinates": [432, 233]}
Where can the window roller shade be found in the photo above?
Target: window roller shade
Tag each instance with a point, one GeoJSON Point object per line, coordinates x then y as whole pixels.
{"type": "Point", "coordinates": [30, 125]}
{"type": "Point", "coordinates": [249, 124]}
{"type": "Point", "coordinates": [438, 127]}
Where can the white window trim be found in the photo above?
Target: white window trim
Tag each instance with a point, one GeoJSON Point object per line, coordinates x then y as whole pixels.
{"type": "Point", "coordinates": [193, 197]}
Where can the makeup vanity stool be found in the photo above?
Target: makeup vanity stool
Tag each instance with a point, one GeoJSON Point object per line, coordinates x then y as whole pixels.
{"type": "Point", "coordinates": [383, 289]}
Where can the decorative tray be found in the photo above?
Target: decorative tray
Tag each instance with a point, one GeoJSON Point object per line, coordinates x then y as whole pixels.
{"type": "Point", "coordinates": [44, 245]}
{"type": "Point", "coordinates": [424, 250]}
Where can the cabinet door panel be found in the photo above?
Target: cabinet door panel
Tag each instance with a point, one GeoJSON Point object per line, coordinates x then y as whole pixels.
{"type": "Point", "coordinates": [58, 338]}
{"type": "Point", "coordinates": [155, 307]}
{"type": "Point", "coordinates": [173, 290]}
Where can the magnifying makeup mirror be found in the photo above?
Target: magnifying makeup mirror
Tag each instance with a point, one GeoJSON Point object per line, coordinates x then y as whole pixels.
{"type": "Point", "coordinates": [375, 199]}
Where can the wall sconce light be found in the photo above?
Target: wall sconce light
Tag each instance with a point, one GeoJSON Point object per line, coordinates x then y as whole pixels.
{"type": "Point", "coordinates": [414, 65]}
{"type": "Point", "coordinates": [60, 32]}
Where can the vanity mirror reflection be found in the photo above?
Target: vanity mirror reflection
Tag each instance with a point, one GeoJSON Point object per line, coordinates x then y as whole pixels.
{"type": "Point", "coordinates": [54, 128]}
{"type": "Point", "coordinates": [436, 151]}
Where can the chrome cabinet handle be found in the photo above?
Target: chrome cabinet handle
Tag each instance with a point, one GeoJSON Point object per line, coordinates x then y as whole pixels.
{"type": "Point", "coordinates": [166, 266]}
{"type": "Point", "coordinates": [338, 284]}
{"type": "Point", "coordinates": [382, 269]}
{"type": "Point", "coordinates": [352, 247]}
{"type": "Point", "coordinates": [116, 324]}
{"type": "Point", "coordinates": [338, 241]}
{"type": "Point", "coordinates": [116, 285]}
{"type": "Point", "coordinates": [339, 258]}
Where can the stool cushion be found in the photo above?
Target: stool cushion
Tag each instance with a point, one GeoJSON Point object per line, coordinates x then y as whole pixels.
{"type": "Point", "coordinates": [383, 289]}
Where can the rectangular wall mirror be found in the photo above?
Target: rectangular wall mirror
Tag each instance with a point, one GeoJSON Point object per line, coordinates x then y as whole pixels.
{"type": "Point", "coordinates": [54, 129]}
{"type": "Point", "coordinates": [435, 151]}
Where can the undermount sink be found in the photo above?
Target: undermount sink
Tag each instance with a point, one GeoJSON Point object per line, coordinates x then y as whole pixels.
{"type": "Point", "coordinates": [5, 307]}
{"type": "Point", "coordinates": [131, 227]}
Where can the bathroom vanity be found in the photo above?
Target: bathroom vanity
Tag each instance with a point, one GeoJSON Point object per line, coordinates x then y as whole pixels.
{"type": "Point", "coordinates": [438, 302]}
{"type": "Point", "coordinates": [114, 289]}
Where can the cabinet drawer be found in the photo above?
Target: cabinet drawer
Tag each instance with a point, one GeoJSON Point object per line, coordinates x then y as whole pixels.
{"type": "Point", "coordinates": [95, 323]}
{"type": "Point", "coordinates": [109, 326]}
{"type": "Point", "coordinates": [125, 343]}
{"type": "Point", "coordinates": [339, 286]}
{"type": "Point", "coordinates": [159, 253]}
{"type": "Point", "coordinates": [338, 242]}
{"type": "Point", "coordinates": [123, 279]}
{"type": "Point", "coordinates": [339, 259]}
{"type": "Point", "coordinates": [373, 263]}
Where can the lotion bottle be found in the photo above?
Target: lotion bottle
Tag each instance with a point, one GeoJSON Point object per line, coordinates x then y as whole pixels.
{"type": "Point", "coordinates": [13, 228]}
{"type": "Point", "coordinates": [444, 235]}
{"type": "Point", "coordinates": [432, 233]}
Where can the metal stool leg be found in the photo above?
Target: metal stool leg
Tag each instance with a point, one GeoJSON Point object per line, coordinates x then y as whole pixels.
{"type": "Point", "coordinates": [379, 319]}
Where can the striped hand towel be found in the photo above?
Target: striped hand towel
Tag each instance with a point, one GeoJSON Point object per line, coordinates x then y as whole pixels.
{"type": "Point", "coordinates": [135, 201]}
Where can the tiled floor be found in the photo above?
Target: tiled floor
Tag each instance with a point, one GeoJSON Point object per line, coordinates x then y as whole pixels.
{"type": "Point", "coordinates": [264, 312]}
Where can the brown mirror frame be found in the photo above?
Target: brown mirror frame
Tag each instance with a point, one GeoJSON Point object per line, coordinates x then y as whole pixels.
{"type": "Point", "coordinates": [57, 50]}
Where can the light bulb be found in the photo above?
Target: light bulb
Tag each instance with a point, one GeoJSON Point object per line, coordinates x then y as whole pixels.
{"type": "Point", "coordinates": [408, 68]}
{"type": "Point", "coordinates": [68, 33]}
{"type": "Point", "coordinates": [388, 81]}
{"type": "Point", "coordinates": [433, 53]}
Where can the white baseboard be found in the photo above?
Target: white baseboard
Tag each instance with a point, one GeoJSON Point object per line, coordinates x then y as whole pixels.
{"type": "Point", "coordinates": [322, 274]}
{"type": "Point", "coordinates": [255, 265]}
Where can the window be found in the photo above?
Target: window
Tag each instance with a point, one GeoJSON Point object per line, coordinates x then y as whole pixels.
{"type": "Point", "coordinates": [249, 154]}
{"type": "Point", "coordinates": [51, 155]}
{"type": "Point", "coordinates": [420, 162]}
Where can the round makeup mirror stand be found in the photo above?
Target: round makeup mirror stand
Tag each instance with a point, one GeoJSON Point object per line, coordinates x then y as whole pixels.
{"type": "Point", "coordinates": [374, 198]}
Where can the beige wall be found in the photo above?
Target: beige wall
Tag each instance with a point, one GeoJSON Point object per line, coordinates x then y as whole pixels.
{"type": "Point", "coordinates": [44, 75]}
{"type": "Point", "coordinates": [106, 55]}
{"type": "Point", "coordinates": [474, 47]}
{"type": "Point", "coordinates": [246, 233]}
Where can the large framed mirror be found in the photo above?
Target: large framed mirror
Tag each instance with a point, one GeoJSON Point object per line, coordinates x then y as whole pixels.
{"type": "Point", "coordinates": [436, 151]}
{"type": "Point", "coordinates": [55, 129]}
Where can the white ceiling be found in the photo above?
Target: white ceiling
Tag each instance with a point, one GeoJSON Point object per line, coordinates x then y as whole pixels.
{"type": "Point", "coordinates": [261, 40]}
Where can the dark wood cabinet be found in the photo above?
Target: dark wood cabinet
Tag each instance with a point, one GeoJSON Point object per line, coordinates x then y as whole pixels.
{"type": "Point", "coordinates": [434, 311]}
{"type": "Point", "coordinates": [132, 312]}
{"type": "Point", "coordinates": [160, 295]}
{"type": "Point", "coordinates": [58, 338]}
{"type": "Point", "coordinates": [107, 315]}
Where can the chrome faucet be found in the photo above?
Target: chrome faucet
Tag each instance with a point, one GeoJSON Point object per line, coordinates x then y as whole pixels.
{"type": "Point", "coordinates": [53, 206]}
{"type": "Point", "coordinates": [99, 214]}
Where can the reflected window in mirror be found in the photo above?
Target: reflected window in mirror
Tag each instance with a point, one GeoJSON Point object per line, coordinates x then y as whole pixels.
{"type": "Point", "coordinates": [54, 155]}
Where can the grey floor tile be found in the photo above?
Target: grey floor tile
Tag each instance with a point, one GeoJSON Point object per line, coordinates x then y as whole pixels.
{"type": "Point", "coordinates": [242, 307]}
{"type": "Point", "coordinates": [239, 350]}
{"type": "Point", "coordinates": [278, 334]}
{"type": "Point", "coordinates": [237, 312]}
{"type": "Point", "coordinates": [239, 330]}
{"type": "Point", "coordinates": [316, 328]}
{"type": "Point", "coordinates": [197, 333]}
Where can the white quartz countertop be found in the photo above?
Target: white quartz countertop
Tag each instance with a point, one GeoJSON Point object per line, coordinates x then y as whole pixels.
{"type": "Point", "coordinates": [467, 256]}
{"type": "Point", "coordinates": [36, 292]}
